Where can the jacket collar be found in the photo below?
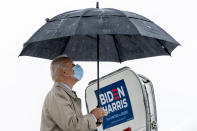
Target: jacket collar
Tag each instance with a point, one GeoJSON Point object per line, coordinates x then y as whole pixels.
{"type": "Point", "coordinates": [68, 91]}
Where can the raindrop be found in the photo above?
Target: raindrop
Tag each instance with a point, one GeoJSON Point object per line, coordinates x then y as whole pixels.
{"type": "Point", "coordinates": [148, 26]}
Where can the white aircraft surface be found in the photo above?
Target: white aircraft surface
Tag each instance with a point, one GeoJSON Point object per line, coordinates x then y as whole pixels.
{"type": "Point", "coordinates": [129, 100]}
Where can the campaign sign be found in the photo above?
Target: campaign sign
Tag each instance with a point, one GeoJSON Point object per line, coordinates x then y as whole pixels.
{"type": "Point", "coordinates": [114, 99]}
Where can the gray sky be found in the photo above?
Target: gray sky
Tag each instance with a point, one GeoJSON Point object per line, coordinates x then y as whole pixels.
{"type": "Point", "coordinates": [26, 80]}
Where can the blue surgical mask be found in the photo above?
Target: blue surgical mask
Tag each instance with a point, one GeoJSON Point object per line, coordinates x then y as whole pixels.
{"type": "Point", "coordinates": [78, 72]}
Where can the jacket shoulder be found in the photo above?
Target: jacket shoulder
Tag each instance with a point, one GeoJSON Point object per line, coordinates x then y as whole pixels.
{"type": "Point", "coordinates": [57, 94]}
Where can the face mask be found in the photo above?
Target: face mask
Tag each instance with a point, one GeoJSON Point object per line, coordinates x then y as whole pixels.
{"type": "Point", "coordinates": [78, 72]}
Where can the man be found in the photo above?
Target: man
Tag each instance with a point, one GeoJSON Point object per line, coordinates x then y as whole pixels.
{"type": "Point", "coordinates": [62, 108]}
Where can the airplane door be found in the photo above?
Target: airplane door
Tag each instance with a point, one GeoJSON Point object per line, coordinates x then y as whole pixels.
{"type": "Point", "coordinates": [122, 96]}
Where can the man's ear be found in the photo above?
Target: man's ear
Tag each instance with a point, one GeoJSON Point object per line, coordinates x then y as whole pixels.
{"type": "Point", "coordinates": [66, 72]}
{"type": "Point", "coordinates": [61, 72]}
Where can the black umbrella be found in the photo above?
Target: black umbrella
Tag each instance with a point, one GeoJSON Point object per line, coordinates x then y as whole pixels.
{"type": "Point", "coordinates": [99, 34]}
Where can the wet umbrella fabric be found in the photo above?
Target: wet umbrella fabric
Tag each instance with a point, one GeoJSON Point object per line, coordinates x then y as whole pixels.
{"type": "Point", "coordinates": [95, 34]}
{"type": "Point", "coordinates": [123, 36]}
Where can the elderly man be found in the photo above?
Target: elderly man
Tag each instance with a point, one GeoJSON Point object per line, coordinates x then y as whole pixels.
{"type": "Point", "coordinates": [62, 108]}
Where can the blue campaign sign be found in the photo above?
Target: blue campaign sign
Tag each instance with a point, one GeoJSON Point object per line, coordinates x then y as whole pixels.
{"type": "Point", "coordinates": [114, 99]}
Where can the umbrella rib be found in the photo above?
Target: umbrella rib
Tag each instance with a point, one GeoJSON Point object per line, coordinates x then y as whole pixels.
{"type": "Point", "coordinates": [166, 50]}
{"type": "Point", "coordinates": [80, 20]}
{"type": "Point", "coordinates": [124, 15]}
{"type": "Point", "coordinates": [116, 45]}
{"type": "Point", "coordinates": [128, 20]}
{"type": "Point", "coordinates": [65, 45]}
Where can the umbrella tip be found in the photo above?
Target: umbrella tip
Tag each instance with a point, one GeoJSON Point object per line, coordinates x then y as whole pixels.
{"type": "Point", "coordinates": [97, 4]}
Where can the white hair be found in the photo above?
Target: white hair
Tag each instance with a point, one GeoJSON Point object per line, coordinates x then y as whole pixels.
{"type": "Point", "coordinates": [56, 65]}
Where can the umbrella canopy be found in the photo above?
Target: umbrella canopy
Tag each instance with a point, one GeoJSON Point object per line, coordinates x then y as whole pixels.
{"type": "Point", "coordinates": [123, 36]}
{"type": "Point", "coordinates": [99, 34]}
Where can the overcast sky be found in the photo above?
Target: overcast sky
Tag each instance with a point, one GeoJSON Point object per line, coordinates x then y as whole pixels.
{"type": "Point", "coordinates": [26, 80]}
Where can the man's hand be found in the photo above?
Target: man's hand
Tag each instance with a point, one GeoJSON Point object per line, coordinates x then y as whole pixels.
{"type": "Point", "coordinates": [99, 120]}
{"type": "Point", "coordinates": [99, 113]}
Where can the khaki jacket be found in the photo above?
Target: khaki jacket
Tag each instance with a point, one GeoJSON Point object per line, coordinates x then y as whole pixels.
{"type": "Point", "coordinates": [62, 112]}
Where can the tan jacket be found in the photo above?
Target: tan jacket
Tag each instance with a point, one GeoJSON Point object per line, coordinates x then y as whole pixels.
{"type": "Point", "coordinates": [62, 112]}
